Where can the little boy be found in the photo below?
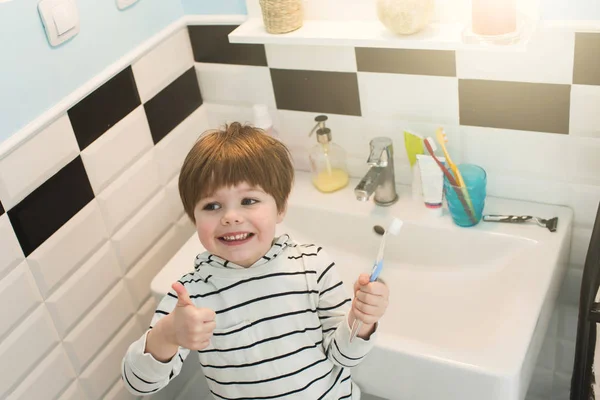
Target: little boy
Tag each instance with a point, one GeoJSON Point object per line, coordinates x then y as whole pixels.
{"type": "Point", "coordinates": [267, 317]}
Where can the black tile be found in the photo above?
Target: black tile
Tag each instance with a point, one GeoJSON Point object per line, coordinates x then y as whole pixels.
{"type": "Point", "coordinates": [51, 205]}
{"type": "Point", "coordinates": [316, 91]}
{"type": "Point", "coordinates": [406, 61]}
{"type": "Point", "coordinates": [173, 104]}
{"type": "Point", "coordinates": [1, 209]}
{"type": "Point", "coordinates": [586, 67]}
{"type": "Point", "coordinates": [211, 45]}
{"type": "Point", "coordinates": [538, 107]}
{"type": "Point", "coordinates": [104, 107]}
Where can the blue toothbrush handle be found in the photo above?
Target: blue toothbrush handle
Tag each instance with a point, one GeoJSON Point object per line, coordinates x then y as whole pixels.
{"type": "Point", "coordinates": [377, 267]}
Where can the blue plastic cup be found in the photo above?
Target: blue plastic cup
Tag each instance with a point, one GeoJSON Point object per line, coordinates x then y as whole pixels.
{"type": "Point", "coordinates": [466, 204]}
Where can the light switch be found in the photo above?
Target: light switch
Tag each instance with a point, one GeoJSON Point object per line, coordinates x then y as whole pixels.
{"type": "Point", "coordinates": [60, 19]}
{"type": "Point", "coordinates": [63, 19]}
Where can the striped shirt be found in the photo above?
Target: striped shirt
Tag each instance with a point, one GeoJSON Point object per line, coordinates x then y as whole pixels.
{"type": "Point", "coordinates": [281, 329]}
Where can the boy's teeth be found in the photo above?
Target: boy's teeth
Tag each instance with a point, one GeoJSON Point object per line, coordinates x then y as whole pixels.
{"type": "Point", "coordinates": [236, 237]}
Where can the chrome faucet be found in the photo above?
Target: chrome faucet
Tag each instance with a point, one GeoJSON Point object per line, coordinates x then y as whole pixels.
{"type": "Point", "coordinates": [380, 179]}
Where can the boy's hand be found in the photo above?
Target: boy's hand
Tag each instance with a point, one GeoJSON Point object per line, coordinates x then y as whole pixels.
{"type": "Point", "coordinates": [370, 300]}
{"type": "Point", "coordinates": [192, 326]}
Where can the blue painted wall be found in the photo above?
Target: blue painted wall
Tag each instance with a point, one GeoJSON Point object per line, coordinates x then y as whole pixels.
{"type": "Point", "coordinates": [214, 6]}
{"type": "Point", "coordinates": [35, 76]}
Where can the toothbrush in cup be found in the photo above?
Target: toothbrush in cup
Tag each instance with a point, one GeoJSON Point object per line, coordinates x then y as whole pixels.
{"type": "Point", "coordinates": [394, 228]}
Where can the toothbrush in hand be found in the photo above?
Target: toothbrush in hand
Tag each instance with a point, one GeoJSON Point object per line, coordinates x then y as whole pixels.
{"type": "Point", "coordinates": [394, 228]}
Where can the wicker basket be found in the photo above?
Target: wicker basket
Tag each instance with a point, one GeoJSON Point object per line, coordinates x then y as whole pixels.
{"type": "Point", "coordinates": [282, 16]}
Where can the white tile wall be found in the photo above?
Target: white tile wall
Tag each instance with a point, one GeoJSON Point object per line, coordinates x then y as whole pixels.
{"type": "Point", "coordinates": [141, 231]}
{"type": "Point", "coordinates": [119, 392]}
{"type": "Point", "coordinates": [35, 161]}
{"type": "Point", "coordinates": [160, 66]}
{"type": "Point", "coordinates": [317, 58]}
{"type": "Point", "coordinates": [548, 59]}
{"type": "Point", "coordinates": [53, 374]}
{"type": "Point", "coordinates": [11, 253]}
{"type": "Point", "coordinates": [19, 294]}
{"type": "Point", "coordinates": [584, 115]}
{"type": "Point", "coordinates": [104, 371]}
{"type": "Point", "coordinates": [117, 148]}
{"type": "Point", "coordinates": [235, 84]}
{"type": "Point", "coordinates": [146, 312]}
{"type": "Point", "coordinates": [411, 97]}
{"type": "Point", "coordinates": [171, 150]}
{"type": "Point", "coordinates": [129, 192]}
{"type": "Point", "coordinates": [74, 392]}
{"type": "Point", "coordinates": [99, 326]}
{"type": "Point", "coordinates": [83, 289]}
{"type": "Point", "coordinates": [20, 352]}
{"type": "Point", "coordinates": [68, 248]}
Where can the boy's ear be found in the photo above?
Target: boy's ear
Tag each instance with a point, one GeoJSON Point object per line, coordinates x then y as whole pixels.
{"type": "Point", "coordinates": [281, 215]}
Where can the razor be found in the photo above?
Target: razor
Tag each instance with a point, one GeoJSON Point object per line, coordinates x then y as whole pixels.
{"type": "Point", "coordinates": [551, 223]}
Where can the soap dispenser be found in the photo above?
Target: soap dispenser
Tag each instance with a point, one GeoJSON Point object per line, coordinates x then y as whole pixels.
{"type": "Point", "coordinates": [327, 160]}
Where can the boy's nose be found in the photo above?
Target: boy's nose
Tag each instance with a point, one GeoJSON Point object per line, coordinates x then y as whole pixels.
{"type": "Point", "coordinates": [231, 218]}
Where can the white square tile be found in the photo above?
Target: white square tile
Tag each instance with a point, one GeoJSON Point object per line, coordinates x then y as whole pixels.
{"type": "Point", "coordinates": [139, 278]}
{"type": "Point", "coordinates": [584, 200]}
{"type": "Point", "coordinates": [584, 155]}
{"type": "Point", "coordinates": [584, 117]}
{"type": "Point", "coordinates": [146, 312]}
{"type": "Point", "coordinates": [568, 323]}
{"type": "Point", "coordinates": [117, 148]}
{"type": "Point", "coordinates": [98, 326]}
{"type": "Point", "coordinates": [521, 153]}
{"type": "Point", "coordinates": [186, 227]}
{"type": "Point", "coordinates": [172, 150]}
{"type": "Point", "coordinates": [74, 392]}
{"type": "Point", "coordinates": [571, 288]}
{"type": "Point", "coordinates": [22, 350]}
{"type": "Point", "coordinates": [119, 392]}
{"type": "Point", "coordinates": [541, 383]}
{"type": "Point", "coordinates": [71, 301]}
{"type": "Point", "coordinates": [580, 242]}
{"type": "Point", "coordinates": [19, 290]}
{"type": "Point", "coordinates": [67, 248]}
{"type": "Point", "coordinates": [10, 250]}
{"type": "Point", "coordinates": [140, 233]}
{"type": "Point", "coordinates": [513, 185]}
{"type": "Point", "coordinates": [173, 197]}
{"type": "Point", "coordinates": [48, 379]}
{"type": "Point", "coordinates": [316, 58]}
{"type": "Point", "coordinates": [220, 114]}
{"type": "Point", "coordinates": [548, 59]}
{"type": "Point", "coordinates": [346, 131]}
{"type": "Point", "coordinates": [235, 84]}
{"type": "Point", "coordinates": [104, 371]}
{"type": "Point", "coordinates": [129, 192]}
{"type": "Point", "coordinates": [163, 64]}
{"type": "Point", "coordinates": [546, 358]}
{"type": "Point", "coordinates": [561, 386]}
{"type": "Point", "coordinates": [565, 354]}
{"type": "Point", "coordinates": [410, 97]}
{"type": "Point", "coordinates": [36, 160]}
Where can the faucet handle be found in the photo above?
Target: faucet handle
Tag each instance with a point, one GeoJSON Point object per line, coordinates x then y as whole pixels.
{"type": "Point", "coordinates": [381, 151]}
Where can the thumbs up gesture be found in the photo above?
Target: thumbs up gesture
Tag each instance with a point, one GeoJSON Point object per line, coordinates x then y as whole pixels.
{"type": "Point", "coordinates": [193, 326]}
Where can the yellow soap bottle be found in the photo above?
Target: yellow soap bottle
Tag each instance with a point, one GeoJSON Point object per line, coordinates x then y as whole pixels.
{"type": "Point", "coordinates": [327, 160]}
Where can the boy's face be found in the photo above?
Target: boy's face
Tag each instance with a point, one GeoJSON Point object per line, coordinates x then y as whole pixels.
{"type": "Point", "coordinates": [237, 223]}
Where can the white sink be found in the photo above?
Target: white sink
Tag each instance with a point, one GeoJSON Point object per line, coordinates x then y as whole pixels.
{"type": "Point", "coordinates": [469, 307]}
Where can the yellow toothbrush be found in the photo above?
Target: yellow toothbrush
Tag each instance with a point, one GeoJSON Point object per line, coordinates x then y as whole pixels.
{"type": "Point", "coordinates": [442, 140]}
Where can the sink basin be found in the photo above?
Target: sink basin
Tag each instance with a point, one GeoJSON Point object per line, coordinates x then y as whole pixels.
{"type": "Point", "coordinates": [469, 307]}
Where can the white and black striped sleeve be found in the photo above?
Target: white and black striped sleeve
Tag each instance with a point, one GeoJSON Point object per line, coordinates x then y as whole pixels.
{"type": "Point", "coordinates": [142, 374]}
{"type": "Point", "coordinates": [333, 308]}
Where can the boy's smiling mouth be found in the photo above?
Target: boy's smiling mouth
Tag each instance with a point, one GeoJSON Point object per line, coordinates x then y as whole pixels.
{"type": "Point", "coordinates": [235, 238]}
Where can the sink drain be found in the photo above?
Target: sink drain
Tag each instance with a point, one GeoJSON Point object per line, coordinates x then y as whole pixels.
{"type": "Point", "coordinates": [379, 229]}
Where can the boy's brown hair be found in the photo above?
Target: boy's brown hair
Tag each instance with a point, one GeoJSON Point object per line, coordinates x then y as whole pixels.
{"type": "Point", "coordinates": [238, 153]}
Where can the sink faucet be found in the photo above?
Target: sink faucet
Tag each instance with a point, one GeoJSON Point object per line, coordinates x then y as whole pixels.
{"type": "Point", "coordinates": [380, 178]}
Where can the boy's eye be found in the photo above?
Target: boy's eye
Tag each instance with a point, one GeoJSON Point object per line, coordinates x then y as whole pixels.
{"type": "Point", "coordinates": [249, 202]}
{"type": "Point", "coordinates": [211, 206]}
